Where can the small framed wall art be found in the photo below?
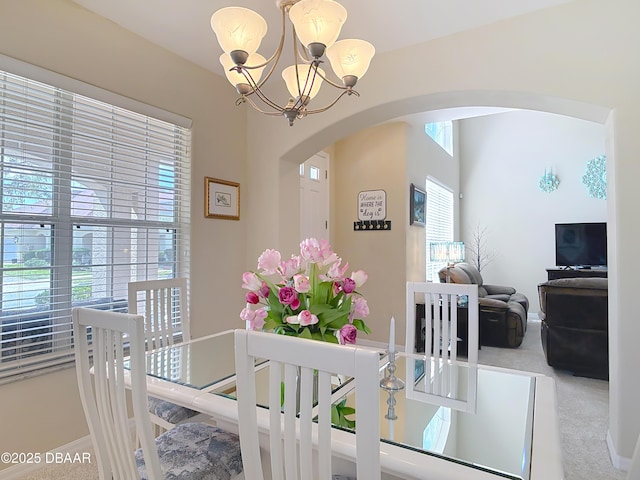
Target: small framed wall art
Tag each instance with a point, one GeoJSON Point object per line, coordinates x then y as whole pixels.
{"type": "Point", "coordinates": [222, 199]}
{"type": "Point", "coordinates": [417, 206]}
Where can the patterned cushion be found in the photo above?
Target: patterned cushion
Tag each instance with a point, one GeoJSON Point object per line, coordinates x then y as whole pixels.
{"type": "Point", "coordinates": [196, 451]}
{"type": "Point", "coordinates": [169, 412]}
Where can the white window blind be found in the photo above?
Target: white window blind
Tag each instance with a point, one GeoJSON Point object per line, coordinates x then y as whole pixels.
{"type": "Point", "coordinates": [93, 196]}
{"type": "Point", "coordinates": [439, 225]}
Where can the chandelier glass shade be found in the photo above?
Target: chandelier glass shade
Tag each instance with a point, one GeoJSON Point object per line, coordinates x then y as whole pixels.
{"type": "Point", "coordinates": [315, 27]}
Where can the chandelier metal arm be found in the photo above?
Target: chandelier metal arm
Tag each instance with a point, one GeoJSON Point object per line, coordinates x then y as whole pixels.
{"type": "Point", "coordinates": [256, 107]}
{"type": "Point", "coordinates": [324, 109]}
{"type": "Point", "coordinates": [331, 82]}
{"type": "Point", "coordinates": [275, 58]}
{"type": "Point", "coordinates": [260, 94]}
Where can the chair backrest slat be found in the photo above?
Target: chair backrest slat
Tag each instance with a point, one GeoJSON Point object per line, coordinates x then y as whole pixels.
{"type": "Point", "coordinates": [441, 319]}
{"type": "Point", "coordinates": [164, 302]}
{"type": "Point", "coordinates": [104, 398]}
{"type": "Point", "coordinates": [300, 442]}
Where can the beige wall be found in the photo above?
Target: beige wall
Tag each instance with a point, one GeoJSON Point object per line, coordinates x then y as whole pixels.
{"type": "Point", "coordinates": [44, 412]}
{"type": "Point", "coordinates": [374, 159]}
{"type": "Point", "coordinates": [575, 59]}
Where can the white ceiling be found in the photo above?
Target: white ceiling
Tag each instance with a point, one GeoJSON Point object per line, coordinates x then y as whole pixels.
{"type": "Point", "coordinates": [182, 26]}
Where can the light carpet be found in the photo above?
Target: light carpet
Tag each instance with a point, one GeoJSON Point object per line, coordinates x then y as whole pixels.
{"type": "Point", "coordinates": [583, 409]}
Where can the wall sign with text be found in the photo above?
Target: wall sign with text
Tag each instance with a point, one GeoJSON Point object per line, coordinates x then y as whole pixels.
{"type": "Point", "coordinates": [372, 211]}
{"type": "Point", "coordinates": [372, 205]}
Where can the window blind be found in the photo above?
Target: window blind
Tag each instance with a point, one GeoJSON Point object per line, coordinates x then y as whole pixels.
{"type": "Point", "coordinates": [439, 225]}
{"type": "Point", "coordinates": [92, 196]}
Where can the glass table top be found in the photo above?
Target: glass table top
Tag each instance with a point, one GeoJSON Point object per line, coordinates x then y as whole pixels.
{"type": "Point", "coordinates": [198, 364]}
{"type": "Point", "coordinates": [489, 427]}
{"type": "Point", "coordinates": [476, 416]}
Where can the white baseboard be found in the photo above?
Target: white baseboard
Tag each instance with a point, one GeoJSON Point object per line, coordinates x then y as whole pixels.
{"type": "Point", "coordinates": [618, 461]}
{"type": "Point", "coordinates": [18, 471]}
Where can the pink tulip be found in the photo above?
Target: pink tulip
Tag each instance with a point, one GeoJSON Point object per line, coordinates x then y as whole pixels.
{"type": "Point", "coordinates": [336, 272]}
{"type": "Point", "coordinates": [268, 261]}
{"type": "Point", "coordinates": [306, 318]}
{"type": "Point", "coordinates": [348, 334]}
{"type": "Point", "coordinates": [289, 268]}
{"type": "Point", "coordinates": [254, 319]}
{"type": "Point", "coordinates": [360, 309]}
{"type": "Point", "coordinates": [310, 250]}
{"type": "Point", "coordinates": [252, 298]}
{"type": "Point", "coordinates": [289, 296]}
{"type": "Point", "coordinates": [292, 319]}
{"type": "Point", "coordinates": [301, 283]}
{"type": "Point", "coordinates": [348, 285]}
{"type": "Point", "coordinates": [360, 277]}
{"type": "Point", "coordinates": [250, 281]}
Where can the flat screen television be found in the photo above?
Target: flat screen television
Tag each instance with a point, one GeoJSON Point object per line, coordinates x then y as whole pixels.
{"type": "Point", "coordinates": [581, 245]}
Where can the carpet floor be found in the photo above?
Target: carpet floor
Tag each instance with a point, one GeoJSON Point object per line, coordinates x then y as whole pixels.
{"type": "Point", "coordinates": [583, 409]}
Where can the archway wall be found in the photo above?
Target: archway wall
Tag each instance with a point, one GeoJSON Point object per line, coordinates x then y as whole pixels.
{"type": "Point", "coordinates": [576, 59]}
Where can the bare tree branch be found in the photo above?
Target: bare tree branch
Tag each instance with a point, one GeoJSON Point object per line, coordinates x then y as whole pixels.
{"type": "Point", "coordinates": [478, 255]}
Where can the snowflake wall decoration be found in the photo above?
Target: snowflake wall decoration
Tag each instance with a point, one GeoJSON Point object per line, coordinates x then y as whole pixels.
{"type": "Point", "coordinates": [595, 177]}
{"type": "Point", "coordinates": [548, 182]}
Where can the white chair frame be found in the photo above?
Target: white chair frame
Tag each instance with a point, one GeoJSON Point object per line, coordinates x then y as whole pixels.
{"type": "Point", "coordinates": [440, 376]}
{"type": "Point", "coordinates": [443, 321]}
{"type": "Point", "coordinates": [159, 296]}
{"type": "Point", "coordinates": [294, 440]}
{"type": "Point", "coordinates": [114, 443]}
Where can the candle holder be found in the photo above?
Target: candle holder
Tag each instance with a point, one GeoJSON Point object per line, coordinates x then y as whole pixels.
{"type": "Point", "coordinates": [391, 384]}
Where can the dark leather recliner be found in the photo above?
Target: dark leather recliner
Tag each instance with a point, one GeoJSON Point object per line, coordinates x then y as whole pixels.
{"type": "Point", "coordinates": [575, 325]}
{"type": "Point", "coordinates": [502, 310]}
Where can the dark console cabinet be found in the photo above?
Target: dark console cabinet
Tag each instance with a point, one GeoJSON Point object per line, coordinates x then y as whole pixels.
{"type": "Point", "coordinates": [554, 273]}
{"type": "Point", "coordinates": [462, 329]}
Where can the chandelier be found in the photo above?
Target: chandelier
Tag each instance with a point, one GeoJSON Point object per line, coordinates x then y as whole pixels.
{"type": "Point", "coordinates": [315, 26]}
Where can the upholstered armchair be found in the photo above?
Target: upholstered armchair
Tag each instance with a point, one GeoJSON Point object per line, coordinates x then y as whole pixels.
{"type": "Point", "coordinates": [575, 325]}
{"type": "Point", "coordinates": [503, 311]}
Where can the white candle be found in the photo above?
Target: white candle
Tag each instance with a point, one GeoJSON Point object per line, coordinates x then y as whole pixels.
{"type": "Point", "coordinates": [392, 336]}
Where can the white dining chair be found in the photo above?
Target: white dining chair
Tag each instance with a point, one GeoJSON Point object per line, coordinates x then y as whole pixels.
{"type": "Point", "coordinates": [439, 334]}
{"type": "Point", "coordinates": [295, 440]}
{"type": "Point", "coordinates": [436, 376]}
{"type": "Point", "coordinates": [190, 450]}
{"type": "Point", "coordinates": [165, 307]}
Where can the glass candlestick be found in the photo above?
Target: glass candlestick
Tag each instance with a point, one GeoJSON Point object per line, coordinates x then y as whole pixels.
{"type": "Point", "coordinates": [392, 384]}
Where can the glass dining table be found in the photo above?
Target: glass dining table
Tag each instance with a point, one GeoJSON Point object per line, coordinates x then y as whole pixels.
{"type": "Point", "coordinates": [450, 421]}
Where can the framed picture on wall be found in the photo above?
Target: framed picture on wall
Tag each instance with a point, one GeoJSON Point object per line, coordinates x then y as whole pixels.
{"type": "Point", "coordinates": [417, 206]}
{"type": "Point", "coordinates": [222, 199]}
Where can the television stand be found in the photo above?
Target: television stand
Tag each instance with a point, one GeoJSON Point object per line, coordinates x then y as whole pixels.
{"type": "Point", "coordinates": [574, 272]}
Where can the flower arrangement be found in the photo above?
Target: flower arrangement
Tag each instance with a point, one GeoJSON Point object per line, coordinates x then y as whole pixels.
{"type": "Point", "coordinates": [307, 295]}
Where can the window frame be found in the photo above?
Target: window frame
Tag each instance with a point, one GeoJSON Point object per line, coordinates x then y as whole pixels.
{"type": "Point", "coordinates": [438, 228]}
{"type": "Point", "coordinates": [63, 224]}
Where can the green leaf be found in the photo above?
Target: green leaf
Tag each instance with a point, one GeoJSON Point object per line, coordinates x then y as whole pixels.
{"type": "Point", "coordinates": [360, 325]}
{"type": "Point", "coordinates": [348, 411]}
{"type": "Point", "coordinates": [329, 337]}
{"type": "Point", "coordinates": [270, 324]}
{"type": "Point", "coordinates": [305, 333]}
{"type": "Point", "coordinates": [339, 413]}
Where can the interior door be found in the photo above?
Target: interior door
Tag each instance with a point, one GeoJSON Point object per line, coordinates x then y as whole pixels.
{"type": "Point", "coordinates": [314, 197]}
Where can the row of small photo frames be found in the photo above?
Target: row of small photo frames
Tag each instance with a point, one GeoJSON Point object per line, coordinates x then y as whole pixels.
{"type": "Point", "coordinates": [594, 178]}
